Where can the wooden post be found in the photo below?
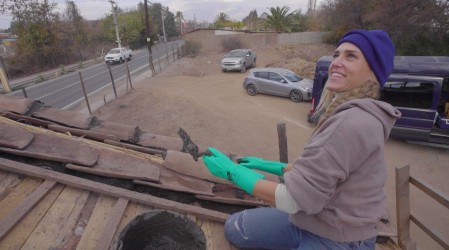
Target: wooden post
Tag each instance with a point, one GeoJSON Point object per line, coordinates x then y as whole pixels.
{"type": "Point", "coordinates": [177, 50]}
{"type": "Point", "coordinates": [129, 75]}
{"type": "Point", "coordinates": [112, 81]}
{"type": "Point", "coordinates": [4, 81]}
{"type": "Point", "coordinates": [85, 94]}
{"type": "Point", "coordinates": [403, 208]}
{"type": "Point", "coordinates": [173, 51]}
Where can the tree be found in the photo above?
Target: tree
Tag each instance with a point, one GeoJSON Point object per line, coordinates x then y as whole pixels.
{"type": "Point", "coordinates": [252, 20]}
{"type": "Point", "coordinates": [279, 19]}
{"type": "Point", "coordinates": [221, 20]}
{"type": "Point", "coordinates": [180, 18]}
{"type": "Point", "coordinates": [77, 27]}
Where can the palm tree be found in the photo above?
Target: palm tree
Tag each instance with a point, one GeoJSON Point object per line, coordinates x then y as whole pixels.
{"type": "Point", "coordinates": [279, 19]}
{"type": "Point", "coordinates": [221, 20]}
{"type": "Point", "coordinates": [179, 17]}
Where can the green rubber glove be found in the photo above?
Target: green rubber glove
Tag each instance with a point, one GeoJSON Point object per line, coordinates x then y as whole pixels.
{"type": "Point", "coordinates": [273, 167]}
{"type": "Point", "coordinates": [221, 166]}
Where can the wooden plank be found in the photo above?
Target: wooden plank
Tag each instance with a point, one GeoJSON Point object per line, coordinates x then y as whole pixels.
{"type": "Point", "coordinates": [28, 120]}
{"type": "Point", "coordinates": [403, 207]}
{"type": "Point", "coordinates": [55, 148]}
{"type": "Point", "coordinates": [233, 201]}
{"type": "Point", "coordinates": [121, 131]}
{"type": "Point", "coordinates": [59, 220]}
{"type": "Point", "coordinates": [120, 165]}
{"type": "Point", "coordinates": [132, 210]}
{"type": "Point", "coordinates": [160, 142]}
{"type": "Point", "coordinates": [436, 236]}
{"type": "Point", "coordinates": [19, 234]}
{"type": "Point", "coordinates": [14, 137]}
{"type": "Point", "coordinates": [7, 223]}
{"type": "Point", "coordinates": [17, 195]}
{"type": "Point", "coordinates": [8, 183]}
{"type": "Point", "coordinates": [16, 104]}
{"type": "Point", "coordinates": [82, 133]}
{"type": "Point", "coordinates": [214, 232]}
{"type": "Point", "coordinates": [111, 191]}
{"type": "Point", "coordinates": [69, 118]}
{"type": "Point", "coordinates": [111, 227]}
{"type": "Point", "coordinates": [431, 191]}
{"type": "Point", "coordinates": [282, 138]}
{"type": "Point", "coordinates": [97, 222]}
{"type": "Point", "coordinates": [136, 148]}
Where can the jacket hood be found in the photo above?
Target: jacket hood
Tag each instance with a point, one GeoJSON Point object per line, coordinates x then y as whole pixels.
{"type": "Point", "coordinates": [382, 111]}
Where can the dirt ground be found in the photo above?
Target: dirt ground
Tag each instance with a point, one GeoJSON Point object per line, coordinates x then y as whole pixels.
{"type": "Point", "coordinates": [215, 110]}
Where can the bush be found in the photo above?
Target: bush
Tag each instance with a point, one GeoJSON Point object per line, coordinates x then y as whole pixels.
{"type": "Point", "coordinates": [229, 44]}
{"type": "Point", "coordinates": [192, 48]}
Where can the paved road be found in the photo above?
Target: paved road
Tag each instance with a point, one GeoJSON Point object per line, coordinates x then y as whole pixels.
{"type": "Point", "coordinates": [66, 91]}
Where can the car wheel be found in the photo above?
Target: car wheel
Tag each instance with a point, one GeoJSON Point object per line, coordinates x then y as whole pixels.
{"type": "Point", "coordinates": [121, 60]}
{"type": "Point", "coordinates": [243, 70]}
{"type": "Point", "coordinates": [296, 96]}
{"type": "Point", "coordinates": [130, 57]}
{"type": "Point", "coordinates": [251, 90]}
{"type": "Point", "coordinates": [254, 64]}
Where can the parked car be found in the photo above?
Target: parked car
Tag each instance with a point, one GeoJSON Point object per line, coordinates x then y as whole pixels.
{"type": "Point", "coordinates": [238, 60]}
{"type": "Point", "coordinates": [279, 82]}
{"type": "Point", "coordinates": [118, 55]}
{"type": "Point", "coordinates": [418, 87]}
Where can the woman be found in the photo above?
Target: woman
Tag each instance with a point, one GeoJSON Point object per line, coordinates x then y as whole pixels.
{"type": "Point", "coordinates": [333, 192]}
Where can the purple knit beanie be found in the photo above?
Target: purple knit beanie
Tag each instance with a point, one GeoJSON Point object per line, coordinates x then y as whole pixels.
{"type": "Point", "coordinates": [377, 48]}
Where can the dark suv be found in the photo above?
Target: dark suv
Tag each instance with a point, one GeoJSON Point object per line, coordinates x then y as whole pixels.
{"type": "Point", "coordinates": [418, 87]}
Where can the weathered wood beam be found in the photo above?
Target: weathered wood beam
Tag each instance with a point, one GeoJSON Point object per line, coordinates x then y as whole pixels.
{"type": "Point", "coordinates": [105, 189]}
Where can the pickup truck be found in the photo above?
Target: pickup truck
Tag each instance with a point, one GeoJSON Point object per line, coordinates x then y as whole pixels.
{"type": "Point", "coordinates": [238, 59]}
{"type": "Point", "coordinates": [118, 55]}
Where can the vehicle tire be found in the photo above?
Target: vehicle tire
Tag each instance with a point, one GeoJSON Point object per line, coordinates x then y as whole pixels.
{"type": "Point", "coordinates": [130, 57]}
{"type": "Point", "coordinates": [254, 64]}
{"type": "Point", "coordinates": [243, 70]}
{"type": "Point", "coordinates": [121, 60]}
{"type": "Point", "coordinates": [251, 90]}
{"type": "Point", "coordinates": [296, 95]}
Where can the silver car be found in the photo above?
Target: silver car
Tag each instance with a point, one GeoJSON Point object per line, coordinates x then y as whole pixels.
{"type": "Point", "coordinates": [238, 59]}
{"type": "Point", "coordinates": [279, 82]}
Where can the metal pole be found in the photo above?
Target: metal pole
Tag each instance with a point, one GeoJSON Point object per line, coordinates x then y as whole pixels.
{"type": "Point", "coordinates": [85, 94]}
{"type": "Point", "coordinates": [163, 25]}
{"type": "Point", "coordinates": [173, 51]}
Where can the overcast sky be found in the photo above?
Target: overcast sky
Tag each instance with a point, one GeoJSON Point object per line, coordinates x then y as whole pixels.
{"type": "Point", "coordinates": [202, 10]}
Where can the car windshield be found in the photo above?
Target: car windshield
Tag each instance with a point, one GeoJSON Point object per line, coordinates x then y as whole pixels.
{"type": "Point", "coordinates": [237, 53]}
{"type": "Point", "coordinates": [114, 51]}
{"type": "Point", "coordinates": [292, 77]}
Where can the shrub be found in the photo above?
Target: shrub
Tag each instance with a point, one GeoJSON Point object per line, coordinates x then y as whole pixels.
{"type": "Point", "coordinates": [40, 79]}
{"type": "Point", "coordinates": [229, 44]}
{"type": "Point", "coordinates": [192, 48]}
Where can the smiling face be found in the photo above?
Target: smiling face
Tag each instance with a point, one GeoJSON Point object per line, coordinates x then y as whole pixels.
{"type": "Point", "coordinates": [348, 70]}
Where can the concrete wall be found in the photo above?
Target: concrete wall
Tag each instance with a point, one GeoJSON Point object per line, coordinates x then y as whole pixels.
{"type": "Point", "coordinates": [212, 39]}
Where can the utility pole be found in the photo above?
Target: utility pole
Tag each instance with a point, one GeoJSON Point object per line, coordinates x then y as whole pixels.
{"type": "Point", "coordinates": [163, 25]}
{"type": "Point", "coordinates": [148, 33]}
{"type": "Point", "coordinates": [114, 10]}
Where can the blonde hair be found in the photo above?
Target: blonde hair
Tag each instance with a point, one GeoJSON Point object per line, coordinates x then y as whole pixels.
{"type": "Point", "coordinates": [329, 102]}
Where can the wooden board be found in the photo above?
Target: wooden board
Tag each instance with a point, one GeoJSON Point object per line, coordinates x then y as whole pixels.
{"type": "Point", "coordinates": [101, 188]}
{"type": "Point", "coordinates": [16, 104]}
{"type": "Point", "coordinates": [183, 163]}
{"type": "Point", "coordinates": [19, 234]}
{"type": "Point", "coordinates": [59, 220]}
{"type": "Point", "coordinates": [214, 232]}
{"type": "Point", "coordinates": [8, 183]}
{"type": "Point", "coordinates": [17, 195]}
{"type": "Point", "coordinates": [120, 131]}
{"type": "Point", "coordinates": [120, 165]}
{"type": "Point", "coordinates": [82, 133]}
{"type": "Point", "coordinates": [160, 141]}
{"type": "Point", "coordinates": [54, 148]}
{"type": "Point", "coordinates": [13, 218]}
{"type": "Point", "coordinates": [97, 222]}
{"type": "Point", "coordinates": [68, 118]}
{"type": "Point", "coordinates": [14, 137]}
{"type": "Point", "coordinates": [107, 235]}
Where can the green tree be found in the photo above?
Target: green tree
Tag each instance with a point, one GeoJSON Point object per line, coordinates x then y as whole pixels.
{"type": "Point", "coordinates": [179, 17]}
{"type": "Point", "coordinates": [252, 20]}
{"type": "Point", "coordinates": [279, 19]}
{"type": "Point", "coordinates": [221, 20]}
{"type": "Point", "coordinates": [76, 27]}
